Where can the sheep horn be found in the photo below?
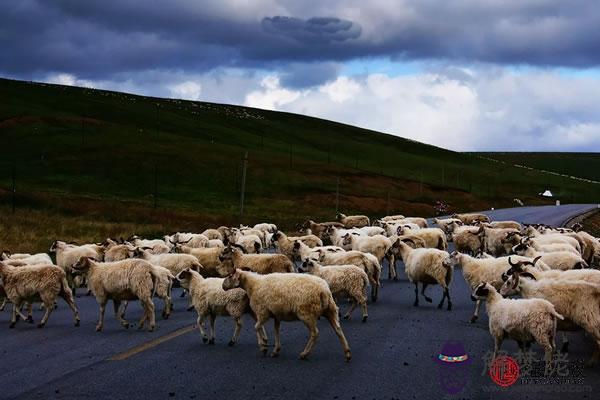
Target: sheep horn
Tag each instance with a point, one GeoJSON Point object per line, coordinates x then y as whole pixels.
{"type": "Point", "coordinates": [528, 275]}
{"type": "Point", "coordinates": [514, 265]}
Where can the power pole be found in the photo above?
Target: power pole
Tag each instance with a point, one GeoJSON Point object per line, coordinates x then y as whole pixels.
{"type": "Point", "coordinates": [421, 183]}
{"type": "Point", "coordinates": [245, 165]}
{"type": "Point", "coordinates": [388, 203]}
{"type": "Point", "coordinates": [82, 131]}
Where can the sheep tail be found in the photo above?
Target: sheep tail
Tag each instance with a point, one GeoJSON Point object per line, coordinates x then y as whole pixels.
{"type": "Point", "coordinates": [556, 314]}
{"type": "Point", "coordinates": [154, 276]}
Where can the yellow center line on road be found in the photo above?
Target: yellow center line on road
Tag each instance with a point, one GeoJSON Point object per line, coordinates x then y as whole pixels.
{"type": "Point", "coordinates": [151, 344]}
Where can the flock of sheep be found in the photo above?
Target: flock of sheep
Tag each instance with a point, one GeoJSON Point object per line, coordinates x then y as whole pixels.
{"type": "Point", "coordinates": [226, 272]}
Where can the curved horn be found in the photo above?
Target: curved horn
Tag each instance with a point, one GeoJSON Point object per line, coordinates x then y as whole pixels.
{"type": "Point", "coordinates": [528, 275]}
{"type": "Point", "coordinates": [514, 265]}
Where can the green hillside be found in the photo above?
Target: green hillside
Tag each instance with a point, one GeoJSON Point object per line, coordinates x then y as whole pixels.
{"type": "Point", "coordinates": [91, 162]}
{"type": "Point", "coordinates": [583, 165]}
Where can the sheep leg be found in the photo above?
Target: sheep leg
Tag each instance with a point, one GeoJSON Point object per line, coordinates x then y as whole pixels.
{"type": "Point", "coordinates": [211, 340]}
{"type": "Point", "coordinates": [100, 324]}
{"type": "Point", "coordinates": [363, 307]}
{"type": "Point", "coordinates": [565, 343]}
{"type": "Point", "coordinates": [334, 321]}
{"type": "Point", "coordinates": [200, 323]}
{"type": "Point", "coordinates": [13, 318]}
{"type": "Point", "coordinates": [148, 313]}
{"type": "Point", "coordinates": [3, 304]}
{"type": "Point", "coordinates": [258, 326]}
{"type": "Point", "coordinates": [238, 329]}
{"type": "Point", "coordinates": [49, 305]}
{"type": "Point", "coordinates": [30, 312]}
{"type": "Point", "coordinates": [68, 298]}
{"type": "Point", "coordinates": [311, 325]}
{"type": "Point", "coordinates": [423, 287]}
{"type": "Point", "coordinates": [20, 314]}
{"type": "Point", "coordinates": [168, 305]}
{"type": "Point", "coordinates": [124, 308]}
{"type": "Point", "coordinates": [416, 303]}
{"type": "Point", "coordinates": [351, 309]}
{"type": "Point", "coordinates": [119, 315]}
{"type": "Point", "coordinates": [277, 326]}
{"type": "Point", "coordinates": [497, 344]}
{"type": "Point", "coordinates": [476, 313]}
{"type": "Point", "coordinates": [446, 295]}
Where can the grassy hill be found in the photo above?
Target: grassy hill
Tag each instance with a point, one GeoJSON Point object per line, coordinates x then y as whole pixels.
{"type": "Point", "coordinates": [583, 165]}
{"type": "Point", "coordinates": [90, 163]}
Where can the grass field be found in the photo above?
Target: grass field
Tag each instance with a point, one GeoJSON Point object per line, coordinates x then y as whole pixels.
{"type": "Point", "coordinates": [89, 163]}
{"type": "Point", "coordinates": [583, 165]}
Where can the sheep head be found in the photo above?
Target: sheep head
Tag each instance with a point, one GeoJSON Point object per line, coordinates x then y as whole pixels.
{"type": "Point", "coordinates": [233, 280]}
{"type": "Point", "coordinates": [482, 291]}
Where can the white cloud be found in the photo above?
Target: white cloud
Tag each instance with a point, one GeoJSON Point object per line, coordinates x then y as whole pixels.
{"type": "Point", "coordinates": [271, 96]}
{"type": "Point", "coordinates": [340, 90]}
{"type": "Point", "coordinates": [188, 90]}
{"type": "Point", "coordinates": [69, 80]}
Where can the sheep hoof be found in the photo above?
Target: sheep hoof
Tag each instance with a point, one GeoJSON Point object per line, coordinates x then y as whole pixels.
{"type": "Point", "coordinates": [77, 323]}
{"type": "Point", "coordinates": [40, 325]}
{"type": "Point", "coordinates": [474, 318]}
{"type": "Point", "coordinates": [449, 306]}
{"type": "Point", "coordinates": [151, 328]}
{"type": "Point", "coordinates": [182, 294]}
{"type": "Point", "coordinates": [346, 317]}
{"type": "Point", "coordinates": [30, 319]}
{"type": "Point", "coordinates": [374, 299]}
{"type": "Point", "coordinates": [12, 325]}
{"type": "Point", "coordinates": [275, 354]}
{"type": "Point", "coordinates": [565, 348]}
{"type": "Point", "coordinates": [126, 325]}
{"type": "Point", "coordinates": [231, 343]}
{"type": "Point", "coordinates": [440, 305]}
{"type": "Point", "coordinates": [348, 356]}
{"type": "Point", "coordinates": [396, 278]}
{"type": "Point", "coordinates": [303, 356]}
{"type": "Point", "coordinates": [98, 328]}
{"type": "Point", "coordinates": [428, 299]}
{"type": "Point", "coordinates": [165, 315]}
{"type": "Point", "coordinates": [204, 340]}
{"type": "Point", "coordinates": [211, 341]}
{"type": "Point", "coordinates": [190, 308]}
{"type": "Point", "coordinates": [365, 318]}
{"type": "Point", "coordinates": [416, 304]}
{"type": "Point", "coordinates": [17, 318]}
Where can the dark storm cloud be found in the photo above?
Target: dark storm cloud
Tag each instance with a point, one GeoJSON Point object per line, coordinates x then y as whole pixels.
{"type": "Point", "coordinates": [96, 39]}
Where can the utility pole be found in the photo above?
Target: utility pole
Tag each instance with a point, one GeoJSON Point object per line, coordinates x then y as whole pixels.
{"type": "Point", "coordinates": [337, 196]}
{"type": "Point", "coordinates": [245, 165]}
{"type": "Point", "coordinates": [388, 203]}
{"type": "Point", "coordinates": [291, 152]}
{"type": "Point", "coordinates": [421, 183]}
{"type": "Point", "coordinates": [82, 131]}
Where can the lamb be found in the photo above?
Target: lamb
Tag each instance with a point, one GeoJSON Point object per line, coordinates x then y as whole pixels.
{"type": "Point", "coordinates": [490, 270]}
{"type": "Point", "coordinates": [345, 281]}
{"type": "Point", "coordinates": [498, 242]}
{"type": "Point", "coordinates": [260, 263]}
{"type": "Point", "coordinates": [207, 257]}
{"type": "Point", "coordinates": [212, 234]}
{"type": "Point", "coordinates": [251, 243]}
{"type": "Point", "coordinates": [524, 320]}
{"type": "Point", "coordinates": [577, 301]}
{"type": "Point", "coordinates": [563, 260]}
{"type": "Point", "coordinates": [173, 262]}
{"type": "Point", "coordinates": [445, 223]}
{"type": "Point", "coordinates": [30, 259]}
{"type": "Point", "coordinates": [266, 227]}
{"type": "Point", "coordinates": [288, 297]}
{"type": "Point", "coordinates": [428, 266]}
{"type": "Point", "coordinates": [394, 251]}
{"type": "Point", "coordinates": [466, 240]}
{"type": "Point", "coordinates": [318, 229]}
{"type": "Point", "coordinates": [285, 244]}
{"type": "Point", "coordinates": [470, 218]}
{"type": "Point", "coordinates": [117, 252]}
{"type": "Point", "coordinates": [156, 246]}
{"type": "Point", "coordinates": [210, 300]}
{"type": "Point", "coordinates": [131, 279]}
{"type": "Point", "coordinates": [353, 221]}
{"type": "Point", "coordinates": [376, 245]}
{"type": "Point", "coordinates": [503, 225]}
{"type": "Point", "coordinates": [366, 261]}
{"type": "Point", "coordinates": [435, 238]}
{"type": "Point", "coordinates": [29, 283]}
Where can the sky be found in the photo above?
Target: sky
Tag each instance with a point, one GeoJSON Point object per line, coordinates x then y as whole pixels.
{"type": "Point", "coordinates": [497, 75]}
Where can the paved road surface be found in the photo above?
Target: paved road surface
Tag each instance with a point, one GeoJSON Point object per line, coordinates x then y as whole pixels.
{"type": "Point", "coordinates": [392, 353]}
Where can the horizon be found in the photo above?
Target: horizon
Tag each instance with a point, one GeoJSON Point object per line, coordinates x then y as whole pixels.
{"type": "Point", "coordinates": [495, 77]}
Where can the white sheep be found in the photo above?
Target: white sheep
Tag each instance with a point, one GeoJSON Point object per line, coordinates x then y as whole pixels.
{"type": "Point", "coordinates": [353, 221]}
{"type": "Point", "coordinates": [428, 266]}
{"type": "Point", "coordinates": [345, 281]}
{"type": "Point", "coordinates": [31, 283]}
{"type": "Point", "coordinates": [524, 320]}
{"type": "Point", "coordinates": [287, 297]}
{"type": "Point", "coordinates": [563, 260]}
{"type": "Point", "coordinates": [435, 238]}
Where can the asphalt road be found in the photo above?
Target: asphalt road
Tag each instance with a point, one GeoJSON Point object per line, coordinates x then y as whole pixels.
{"type": "Point", "coordinates": [393, 353]}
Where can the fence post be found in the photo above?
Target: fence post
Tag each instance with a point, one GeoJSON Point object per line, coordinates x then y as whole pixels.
{"type": "Point", "coordinates": [155, 186]}
{"type": "Point", "coordinates": [337, 196]}
{"type": "Point", "coordinates": [13, 186]}
{"type": "Point", "coordinates": [245, 164]}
